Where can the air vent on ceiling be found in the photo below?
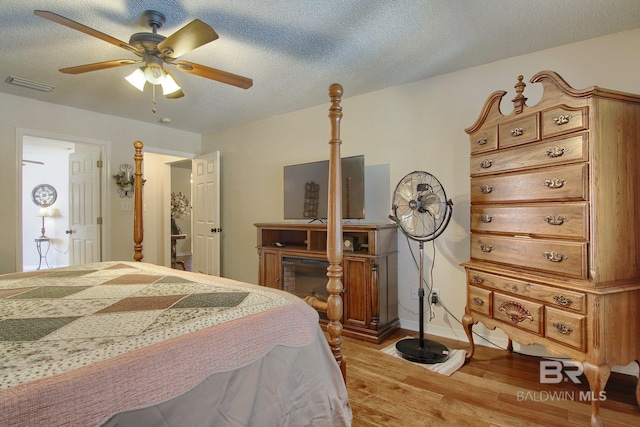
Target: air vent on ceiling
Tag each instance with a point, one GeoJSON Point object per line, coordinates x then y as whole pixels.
{"type": "Point", "coordinates": [19, 81]}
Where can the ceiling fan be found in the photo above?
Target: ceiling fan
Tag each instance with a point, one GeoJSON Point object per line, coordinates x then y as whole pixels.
{"type": "Point", "coordinates": [154, 51]}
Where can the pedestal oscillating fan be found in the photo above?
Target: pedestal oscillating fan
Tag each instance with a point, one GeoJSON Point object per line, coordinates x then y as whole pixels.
{"type": "Point", "coordinates": [422, 211]}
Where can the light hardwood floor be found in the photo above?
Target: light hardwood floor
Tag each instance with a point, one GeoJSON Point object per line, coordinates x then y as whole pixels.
{"type": "Point", "coordinates": [496, 388]}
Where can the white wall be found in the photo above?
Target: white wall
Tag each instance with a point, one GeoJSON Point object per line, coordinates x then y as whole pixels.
{"type": "Point", "coordinates": [417, 126]}
{"type": "Point", "coordinates": [22, 113]}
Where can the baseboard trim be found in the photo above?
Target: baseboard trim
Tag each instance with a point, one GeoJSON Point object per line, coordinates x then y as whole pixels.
{"type": "Point", "coordinates": [501, 342]}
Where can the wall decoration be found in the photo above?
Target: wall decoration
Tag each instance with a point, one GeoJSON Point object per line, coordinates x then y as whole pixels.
{"type": "Point", "coordinates": [125, 180]}
{"type": "Point", "coordinates": [44, 195]}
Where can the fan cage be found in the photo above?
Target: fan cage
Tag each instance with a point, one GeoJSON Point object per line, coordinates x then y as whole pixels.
{"type": "Point", "coordinates": [420, 206]}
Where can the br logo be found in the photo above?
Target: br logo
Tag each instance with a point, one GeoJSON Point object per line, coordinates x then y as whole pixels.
{"type": "Point", "coordinates": [556, 371]}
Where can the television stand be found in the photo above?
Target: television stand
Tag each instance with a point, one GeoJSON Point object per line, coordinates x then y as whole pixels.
{"type": "Point", "coordinates": [298, 264]}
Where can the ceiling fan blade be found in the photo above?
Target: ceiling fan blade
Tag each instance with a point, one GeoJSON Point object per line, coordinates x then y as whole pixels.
{"type": "Point", "coordinates": [98, 66]}
{"type": "Point", "coordinates": [191, 36]}
{"type": "Point", "coordinates": [213, 74]}
{"type": "Point", "coordinates": [84, 29]}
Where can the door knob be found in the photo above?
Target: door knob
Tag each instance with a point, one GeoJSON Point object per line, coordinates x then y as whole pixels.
{"type": "Point", "coordinates": [68, 232]}
{"type": "Point", "coordinates": [216, 230]}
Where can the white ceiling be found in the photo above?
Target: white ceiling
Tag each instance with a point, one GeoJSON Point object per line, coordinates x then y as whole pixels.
{"type": "Point", "coordinates": [292, 49]}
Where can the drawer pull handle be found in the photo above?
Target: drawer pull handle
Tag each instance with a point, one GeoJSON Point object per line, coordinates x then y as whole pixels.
{"type": "Point", "coordinates": [478, 279]}
{"type": "Point", "coordinates": [486, 189]}
{"type": "Point", "coordinates": [486, 163]}
{"type": "Point", "coordinates": [555, 182]}
{"type": "Point", "coordinates": [517, 132]}
{"type": "Point", "coordinates": [563, 328]}
{"type": "Point", "coordinates": [562, 119]}
{"type": "Point", "coordinates": [562, 300]}
{"type": "Point", "coordinates": [556, 151]}
{"type": "Point", "coordinates": [486, 218]}
{"type": "Point", "coordinates": [554, 256]}
{"type": "Point", "coordinates": [478, 301]}
{"type": "Point", "coordinates": [485, 247]}
{"type": "Point", "coordinates": [482, 141]}
{"type": "Point", "coordinates": [555, 219]}
{"type": "Point", "coordinates": [515, 311]}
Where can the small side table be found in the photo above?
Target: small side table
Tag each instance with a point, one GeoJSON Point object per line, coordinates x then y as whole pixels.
{"type": "Point", "coordinates": [43, 255]}
{"type": "Point", "coordinates": [174, 239]}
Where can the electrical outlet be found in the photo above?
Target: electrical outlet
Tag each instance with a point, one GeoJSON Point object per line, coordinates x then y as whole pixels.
{"type": "Point", "coordinates": [414, 293]}
{"type": "Point", "coordinates": [435, 296]}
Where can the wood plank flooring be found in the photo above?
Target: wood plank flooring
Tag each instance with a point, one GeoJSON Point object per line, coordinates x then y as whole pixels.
{"type": "Point", "coordinates": [496, 388]}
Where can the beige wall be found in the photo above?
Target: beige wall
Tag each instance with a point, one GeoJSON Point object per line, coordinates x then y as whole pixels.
{"type": "Point", "coordinates": [417, 126]}
{"type": "Point", "coordinates": [28, 115]}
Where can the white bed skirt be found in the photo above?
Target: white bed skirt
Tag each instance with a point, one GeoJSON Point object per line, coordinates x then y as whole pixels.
{"type": "Point", "coordinates": [286, 387]}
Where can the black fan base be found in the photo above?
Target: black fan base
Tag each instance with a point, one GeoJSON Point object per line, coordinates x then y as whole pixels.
{"type": "Point", "coordinates": [431, 351]}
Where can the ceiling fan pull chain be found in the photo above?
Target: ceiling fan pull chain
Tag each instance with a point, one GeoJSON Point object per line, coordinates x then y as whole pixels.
{"type": "Point", "coordinates": [153, 100]}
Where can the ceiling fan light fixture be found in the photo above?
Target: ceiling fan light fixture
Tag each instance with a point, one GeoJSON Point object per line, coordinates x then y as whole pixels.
{"type": "Point", "coordinates": [154, 73]}
{"type": "Point", "coordinates": [137, 79]}
{"type": "Point", "coordinates": [169, 85]}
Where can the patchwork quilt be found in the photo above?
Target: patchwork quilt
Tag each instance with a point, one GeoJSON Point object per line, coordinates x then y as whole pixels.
{"type": "Point", "coordinates": [53, 321]}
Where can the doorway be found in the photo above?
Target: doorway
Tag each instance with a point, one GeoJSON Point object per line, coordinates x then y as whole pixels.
{"type": "Point", "coordinates": [69, 230]}
{"type": "Point", "coordinates": [181, 235]}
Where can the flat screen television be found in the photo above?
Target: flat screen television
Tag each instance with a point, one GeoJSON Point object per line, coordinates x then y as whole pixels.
{"type": "Point", "coordinates": [306, 189]}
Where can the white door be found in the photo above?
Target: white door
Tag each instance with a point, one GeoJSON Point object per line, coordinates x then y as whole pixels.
{"type": "Point", "coordinates": [84, 205]}
{"type": "Point", "coordinates": [206, 214]}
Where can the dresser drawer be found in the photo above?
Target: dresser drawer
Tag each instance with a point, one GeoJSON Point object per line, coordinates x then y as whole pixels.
{"type": "Point", "coordinates": [564, 119]}
{"type": "Point", "coordinates": [553, 256]}
{"type": "Point", "coordinates": [551, 296]}
{"type": "Point", "coordinates": [518, 312]}
{"type": "Point", "coordinates": [548, 153]}
{"type": "Point", "coordinates": [557, 220]}
{"type": "Point", "coordinates": [563, 183]}
{"type": "Point", "coordinates": [567, 328]}
{"type": "Point", "coordinates": [517, 132]}
{"type": "Point", "coordinates": [479, 300]}
{"type": "Point", "coordinates": [486, 139]}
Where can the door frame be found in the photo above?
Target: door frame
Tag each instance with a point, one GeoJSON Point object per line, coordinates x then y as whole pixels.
{"type": "Point", "coordinates": [105, 195]}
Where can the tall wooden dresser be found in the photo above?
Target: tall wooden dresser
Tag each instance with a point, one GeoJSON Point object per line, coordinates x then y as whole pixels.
{"type": "Point", "coordinates": [555, 225]}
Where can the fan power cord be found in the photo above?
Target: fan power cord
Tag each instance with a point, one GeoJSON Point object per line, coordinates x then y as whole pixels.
{"type": "Point", "coordinates": [431, 313]}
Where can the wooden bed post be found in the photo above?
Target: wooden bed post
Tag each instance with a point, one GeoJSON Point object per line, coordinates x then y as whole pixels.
{"type": "Point", "coordinates": [138, 228]}
{"type": "Point", "coordinates": [334, 231]}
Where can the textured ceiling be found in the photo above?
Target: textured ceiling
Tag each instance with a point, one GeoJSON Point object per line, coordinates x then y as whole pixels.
{"type": "Point", "coordinates": [292, 49]}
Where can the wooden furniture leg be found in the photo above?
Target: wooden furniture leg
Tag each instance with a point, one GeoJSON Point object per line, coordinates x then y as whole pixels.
{"type": "Point", "coordinates": [597, 377]}
{"type": "Point", "coordinates": [467, 323]}
{"type": "Point", "coordinates": [638, 385]}
{"type": "Point", "coordinates": [174, 254]}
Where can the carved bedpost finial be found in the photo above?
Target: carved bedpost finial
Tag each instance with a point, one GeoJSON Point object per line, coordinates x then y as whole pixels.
{"type": "Point", "coordinates": [137, 208]}
{"type": "Point", "coordinates": [335, 111]}
{"type": "Point", "coordinates": [520, 101]}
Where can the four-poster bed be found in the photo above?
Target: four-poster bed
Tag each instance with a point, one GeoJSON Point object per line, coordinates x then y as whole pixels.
{"type": "Point", "coordinates": [130, 343]}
